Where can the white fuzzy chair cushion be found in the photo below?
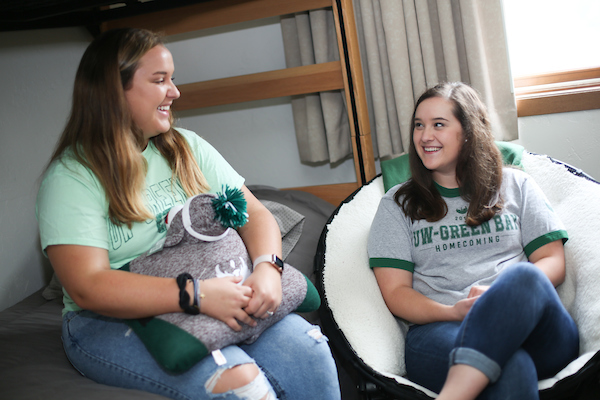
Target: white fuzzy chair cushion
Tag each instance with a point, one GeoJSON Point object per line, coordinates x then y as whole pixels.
{"type": "Point", "coordinates": [377, 337]}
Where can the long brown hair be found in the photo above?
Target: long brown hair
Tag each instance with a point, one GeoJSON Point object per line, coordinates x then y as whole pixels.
{"type": "Point", "coordinates": [102, 136]}
{"type": "Point", "coordinates": [478, 169]}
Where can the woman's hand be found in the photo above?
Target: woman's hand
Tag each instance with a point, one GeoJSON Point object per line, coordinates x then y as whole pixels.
{"type": "Point", "coordinates": [477, 291]}
{"type": "Point", "coordinates": [462, 307]}
{"type": "Point", "coordinates": [265, 282]}
{"type": "Point", "coordinates": [225, 300]}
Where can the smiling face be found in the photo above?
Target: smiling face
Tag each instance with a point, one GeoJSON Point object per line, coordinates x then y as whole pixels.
{"type": "Point", "coordinates": [152, 92]}
{"type": "Point", "coordinates": [438, 139]}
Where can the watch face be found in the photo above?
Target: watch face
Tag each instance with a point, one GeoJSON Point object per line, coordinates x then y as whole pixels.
{"type": "Point", "coordinates": [279, 262]}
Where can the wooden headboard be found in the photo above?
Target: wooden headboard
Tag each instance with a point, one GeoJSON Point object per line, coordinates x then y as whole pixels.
{"type": "Point", "coordinates": [344, 74]}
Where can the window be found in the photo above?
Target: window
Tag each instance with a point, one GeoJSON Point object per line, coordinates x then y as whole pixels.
{"type": "Point", "coordinates": [553, 53]}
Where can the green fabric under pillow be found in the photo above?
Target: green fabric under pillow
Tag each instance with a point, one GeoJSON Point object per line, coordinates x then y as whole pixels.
{"type": "Point", "coordinates": [173, 348]}
{"type": "Point", "coordinates": [312, 300]}
{"type": "Point", "coordinates": [397, 170]}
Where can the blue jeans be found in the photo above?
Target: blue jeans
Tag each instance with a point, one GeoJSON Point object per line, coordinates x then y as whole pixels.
{"type": "Point", "coordinates": [516, 333]}
{"type": "Point", "coordinates": [292, 354]}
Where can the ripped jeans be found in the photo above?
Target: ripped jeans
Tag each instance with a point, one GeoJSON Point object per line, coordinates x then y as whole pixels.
{"type": "Point", "coordinates": [294, 360]}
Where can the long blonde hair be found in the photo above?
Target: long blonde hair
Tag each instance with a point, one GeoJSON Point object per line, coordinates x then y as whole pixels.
{"type": "Point", "coordinates": [101, 133]}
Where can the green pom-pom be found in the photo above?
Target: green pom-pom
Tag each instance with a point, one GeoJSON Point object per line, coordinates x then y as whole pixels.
{"type": "Point", "coordinates": [230, 208]}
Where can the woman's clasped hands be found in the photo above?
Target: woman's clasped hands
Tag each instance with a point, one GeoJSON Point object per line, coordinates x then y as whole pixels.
{"type": "Point", "coordinates": [233, 303]}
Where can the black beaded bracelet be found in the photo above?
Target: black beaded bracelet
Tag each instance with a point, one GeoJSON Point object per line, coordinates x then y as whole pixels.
{"type": "Point", "coordinates": [184, 297]}
{"type": "Point", "coordinates": [196, 290]}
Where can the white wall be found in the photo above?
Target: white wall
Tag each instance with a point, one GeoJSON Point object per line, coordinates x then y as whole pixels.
{"type": "Point", "coordinates": [38, 68]}
{"type": "Point", "coordinates": [256, 138]}
{"type": "Point", "coordinates": [573, 138]}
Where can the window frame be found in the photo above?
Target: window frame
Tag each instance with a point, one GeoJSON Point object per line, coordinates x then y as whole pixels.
{"type": "Point", "coordinates": [564, 91]}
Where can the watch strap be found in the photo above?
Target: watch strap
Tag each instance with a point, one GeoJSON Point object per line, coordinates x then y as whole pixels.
{"type": "Point", "coordinates": [272, 259]}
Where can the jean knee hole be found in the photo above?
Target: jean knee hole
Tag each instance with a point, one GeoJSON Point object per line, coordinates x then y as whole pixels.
{"type": "Point", "coordinates": [212, 382]}
{"type": "Point", "coordinates": [258, 388]}
{"type": "Point", "coordinates": [316, 334]}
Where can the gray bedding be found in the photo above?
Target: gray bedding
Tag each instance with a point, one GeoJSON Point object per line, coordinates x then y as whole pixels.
{"type": "Point", "coordinates": [32, 362]}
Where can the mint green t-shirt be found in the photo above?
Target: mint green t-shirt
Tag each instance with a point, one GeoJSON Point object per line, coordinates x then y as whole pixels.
{"type": "Point", "coordinates": [71, 205]}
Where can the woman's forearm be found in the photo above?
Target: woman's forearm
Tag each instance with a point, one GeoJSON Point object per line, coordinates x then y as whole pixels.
{"type": "Point", "coordinates": [414, 307]}
{"type": "Point", "coordinates": [261, 234]}
{"type": "Point", "coordinates": [86, 275]}
{"type": "Point", "coordinates": [405, 302]}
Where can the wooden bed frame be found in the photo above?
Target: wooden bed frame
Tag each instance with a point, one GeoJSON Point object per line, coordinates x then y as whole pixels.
{"type": "Point", "coordinates": [344, 74]}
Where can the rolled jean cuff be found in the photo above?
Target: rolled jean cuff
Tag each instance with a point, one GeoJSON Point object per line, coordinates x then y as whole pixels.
{"type": "Point", "coordinates": [477, 360]}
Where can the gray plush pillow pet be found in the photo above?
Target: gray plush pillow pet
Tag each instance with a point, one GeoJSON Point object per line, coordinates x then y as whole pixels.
{"type": "Point", "coordinates": [200, 242]}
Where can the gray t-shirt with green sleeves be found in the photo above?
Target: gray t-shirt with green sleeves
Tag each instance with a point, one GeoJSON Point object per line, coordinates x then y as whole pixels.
{"type": "Point", "coordinates": [71, 205]}
{"type": "Point", "coordinates": [448, 257]}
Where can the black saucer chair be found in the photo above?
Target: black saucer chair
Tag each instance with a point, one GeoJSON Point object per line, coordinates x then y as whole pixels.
{"type": "Point", "coordinates": [368, 341]}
